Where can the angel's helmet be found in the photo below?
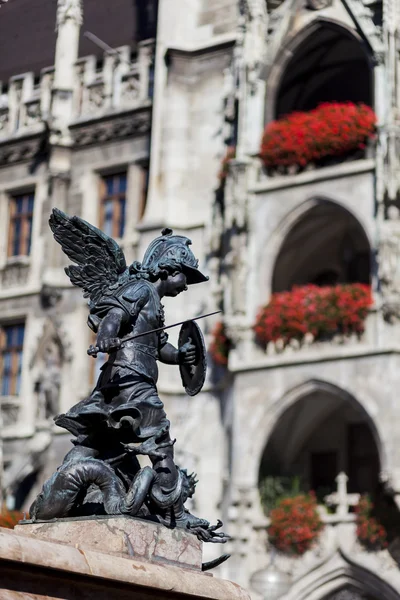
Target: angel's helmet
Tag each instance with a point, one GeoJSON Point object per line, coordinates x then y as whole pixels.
{"type": "Point", "coordinates": [171, 252]}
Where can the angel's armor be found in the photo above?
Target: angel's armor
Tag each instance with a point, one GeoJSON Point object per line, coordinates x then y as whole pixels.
{"type": "Point", "coordinates": [124, 407]}
{"type": "Point", "coordinates": [127, 383]}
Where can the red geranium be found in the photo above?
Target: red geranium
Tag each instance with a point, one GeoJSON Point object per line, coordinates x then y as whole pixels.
{"type": "Point", "coordinates": [369, 531]}
{"type": "Point", "coordinates": [10, 518]}
{"type": "Point", "coordinates": [311, 309]}
{"type": "Point", "coordinates": [295, 524]}
{"type": "Point", "coordinates": [220, 345]}
{"type": "Point", "coordinates": [333, 129]}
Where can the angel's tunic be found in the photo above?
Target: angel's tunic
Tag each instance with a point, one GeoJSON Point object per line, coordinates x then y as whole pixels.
{"type": "Point", "coordinates": [125, 397]}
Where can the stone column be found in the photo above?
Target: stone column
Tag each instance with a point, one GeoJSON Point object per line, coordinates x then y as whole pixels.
{"type": "Point", "coordinates": [69, 21]}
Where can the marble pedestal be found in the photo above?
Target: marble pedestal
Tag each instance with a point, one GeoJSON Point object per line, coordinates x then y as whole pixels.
{"type": "Point", "coordinates": [33, 565]}
{"type": "Point", "coordinates": [124, 536]}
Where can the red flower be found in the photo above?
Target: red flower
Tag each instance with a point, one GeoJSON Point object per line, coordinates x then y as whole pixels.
{"type": "Point", "coordinates": [311, 309]}
{"type": "Point", "coordinates": [220, 345]}
{"type": "Point", "coordinates": [332, 129]}
{"type": "Point", "coordinates": [10, 518]}
{"type": "Point", "coordinates": [295, 524]}
{"type": "Point", "coordinates": [369, 531]}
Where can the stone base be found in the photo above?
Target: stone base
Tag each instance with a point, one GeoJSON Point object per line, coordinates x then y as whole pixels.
{"type": "Point", "coordinates": [137, 538]}
{"type": "Point", "coordinates": [33, 568]}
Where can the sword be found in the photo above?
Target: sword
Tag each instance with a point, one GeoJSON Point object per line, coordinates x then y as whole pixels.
{"type": "Point", "coordinates": [93, 350]}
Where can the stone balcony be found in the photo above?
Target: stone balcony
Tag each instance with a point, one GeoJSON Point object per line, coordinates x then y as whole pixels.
{"type": "Point", "coordinates": [248, 355]}
{"type": "Point", "coordinates": [118, 85]}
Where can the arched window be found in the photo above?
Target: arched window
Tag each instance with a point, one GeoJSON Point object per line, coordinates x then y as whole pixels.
{"type": "Point", "coordinates": [321, 434]}
{"type": "Point", "coordinates": [350, 593]}
{"type": "Point", "coordinates": [329, 65]}
{"type": "Point", "coordinates": [327, 246]}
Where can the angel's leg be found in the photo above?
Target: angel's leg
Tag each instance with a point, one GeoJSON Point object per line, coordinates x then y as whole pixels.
{"type": "Point", "coordinates": [165, 467]}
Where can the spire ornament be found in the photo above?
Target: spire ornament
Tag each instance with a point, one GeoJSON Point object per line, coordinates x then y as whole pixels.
{"type": "Point", "coordinates": [69, 10]}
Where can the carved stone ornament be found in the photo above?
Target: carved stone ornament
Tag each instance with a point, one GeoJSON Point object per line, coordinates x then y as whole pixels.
{"type": "Point", "coordinates": [33, 113]}
{"type": "Point", "coordinates": [19, 150]}
{"type": "Point", "coordinates": [116, 423]}
{"type": "Point", "coordinates": [128, 124]}
{"type": "Point", "coordinates": [130, 89]}
{"type": "Point", "coordinates": [49, 296]}
{"type": "Point", "coordinates": [96, 98]}
{"type": "Point", "coordinates": [10, 408]}
{"type": "Point", "coordinates": [363, 17]}
{"type": "Point", "coordinates": [389, 271]}
{"type": "Point", "coordinates": [3, 119]}
{"type": "Point", "coordinates": [14, 274]}
{"type": "Point", "coordinates": [69, 9]}
{"type": "Point", "coordinates": [47, 385]}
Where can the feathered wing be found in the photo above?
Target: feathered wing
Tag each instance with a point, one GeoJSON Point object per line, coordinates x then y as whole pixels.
{"type": "Point", "coordinates": [100, 262]}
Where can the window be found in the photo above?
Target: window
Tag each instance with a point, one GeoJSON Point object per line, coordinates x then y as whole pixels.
{"type": "Point", "coordinates": [20, 231]}
{"type": "Point", "coordinates": [11, 343]}
{"type": "Point", "coordinates": [112, 207]}
{"type": "Point", "coordinates": [143, 191]}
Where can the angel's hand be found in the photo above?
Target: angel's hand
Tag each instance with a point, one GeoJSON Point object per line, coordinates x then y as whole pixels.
{"type": "Point", "coordinates": [107, 344]}
{"type": "Point", "coordinates": [187, 353]}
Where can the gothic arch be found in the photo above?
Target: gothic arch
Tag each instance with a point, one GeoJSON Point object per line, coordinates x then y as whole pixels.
{"type": "Point", "coordinates": [272, 417]}
{"type": "Point", "coordinates": [316, 207]}
{"type": "Point", "coordinates": [292, 45]}
{"type": "Point", "coordinates": [340, 572]}
{"type": "Point", "coordinates": [272, 247]}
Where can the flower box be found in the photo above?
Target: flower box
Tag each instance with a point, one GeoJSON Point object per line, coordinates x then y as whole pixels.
{"type": "Point", "coordinates": [295, 524]}
{"type": "Point", "coordinates": [220, 345]}
{"type": "Point", "coordinates": [371, 534]}
{"type": "Point", "coordinates": [321, 312]}
{"type": "Point", "coordinates": [321, 136]}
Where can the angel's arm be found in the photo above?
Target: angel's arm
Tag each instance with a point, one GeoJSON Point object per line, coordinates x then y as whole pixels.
{"type": "Point", "coordinates": [170, 355]}
{"type": "Point", "coordinates": [107, 336]}
{"type": "Point", "coordinates": [134, 300]}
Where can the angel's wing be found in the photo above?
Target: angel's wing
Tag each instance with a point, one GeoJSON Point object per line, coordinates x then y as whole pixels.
{"type": "Point", "coordinates": [100, 261]}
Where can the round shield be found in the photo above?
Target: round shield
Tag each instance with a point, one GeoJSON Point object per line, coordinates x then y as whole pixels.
{"type": "Point", "coordinates": [193, 376]}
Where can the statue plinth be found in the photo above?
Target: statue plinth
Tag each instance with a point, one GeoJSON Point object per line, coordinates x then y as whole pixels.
{"type": "Point", "coordinates": [34, 567]}
{"type": "Point", "coordinates": [124, 536]}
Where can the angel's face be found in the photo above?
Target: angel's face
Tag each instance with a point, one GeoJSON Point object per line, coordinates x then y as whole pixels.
{"type": "Point", "coordinates": [175, 284]}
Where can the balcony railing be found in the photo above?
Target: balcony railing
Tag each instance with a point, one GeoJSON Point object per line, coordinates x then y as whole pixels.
{"type": "Point", "coordinates": [120, 84]}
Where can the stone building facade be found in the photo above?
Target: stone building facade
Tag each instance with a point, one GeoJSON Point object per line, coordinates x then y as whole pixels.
{"type": "Point", "coordinates": [132, 140]}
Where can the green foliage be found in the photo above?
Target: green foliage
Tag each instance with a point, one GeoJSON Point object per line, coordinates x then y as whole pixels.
{"type": "Point", "coordinates": [274, 488]}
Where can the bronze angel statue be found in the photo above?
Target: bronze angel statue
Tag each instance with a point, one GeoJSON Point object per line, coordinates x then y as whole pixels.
{"type": "Point", "coordinates": [123, 416]}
